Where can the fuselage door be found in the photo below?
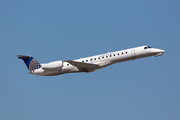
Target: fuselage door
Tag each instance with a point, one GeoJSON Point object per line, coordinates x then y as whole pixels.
{"type": "Point", "coordinates": [133, 52]}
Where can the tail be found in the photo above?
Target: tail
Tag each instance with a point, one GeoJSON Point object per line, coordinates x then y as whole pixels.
{"type": "Point", "coordinates": [30, 62]}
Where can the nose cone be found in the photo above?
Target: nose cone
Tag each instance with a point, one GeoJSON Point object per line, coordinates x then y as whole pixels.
{"type": "Point", "coordinates": [157, 50]}
{"type": "Point", "coordinates": [161, 51]}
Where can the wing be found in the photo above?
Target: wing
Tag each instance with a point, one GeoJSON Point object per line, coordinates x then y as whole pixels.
{"type": "Point", "coordinates": [83, 66]}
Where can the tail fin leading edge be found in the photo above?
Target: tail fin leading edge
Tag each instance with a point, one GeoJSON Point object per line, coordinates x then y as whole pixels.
{"type": "Point", "coordinates": [30, 62]}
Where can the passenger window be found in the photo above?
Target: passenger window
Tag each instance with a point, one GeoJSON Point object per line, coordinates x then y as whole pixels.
{"type": "Point", "coordinates": [114, 54]}
{"type": "Point", "coordinates": [67, 64]}
{"type": "Point", "coordinates": [82, 61]}
{"type": "Point", "coordinates": [126, 52]}
{"type": "Point", "coordinates": [99, 58]}
{"type": "Point", "coordinates": [122, 53]}
{"type": "Point", "coordinates": [110, 55]}
{"type": "Point", "coordinates": [94, 58]}
{"type": "Point", "coordinates": [102, 57]}
{"type": "Point", "coordinates": [106, 56]}
{"type": "Point", "coordinates": [91, 59]}
{"type": "Point", "coordinates": [86, 60]}
{"type": "Point", "coordinates": [118, 53]}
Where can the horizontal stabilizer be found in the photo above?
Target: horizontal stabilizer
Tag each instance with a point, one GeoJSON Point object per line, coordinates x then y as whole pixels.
{"type": "Point", "coordinates": [23, 57]}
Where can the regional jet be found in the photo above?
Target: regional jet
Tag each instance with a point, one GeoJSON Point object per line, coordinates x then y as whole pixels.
{"type": "Point", "coordinates": [88, 64]}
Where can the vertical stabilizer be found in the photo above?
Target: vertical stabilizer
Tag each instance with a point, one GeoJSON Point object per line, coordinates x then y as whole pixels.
{"type": "Point", "coordinates": [30, 62]}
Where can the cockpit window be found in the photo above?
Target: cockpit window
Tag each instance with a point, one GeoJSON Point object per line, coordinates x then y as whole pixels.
{"type": "Point", "coordinates": [147, 47]}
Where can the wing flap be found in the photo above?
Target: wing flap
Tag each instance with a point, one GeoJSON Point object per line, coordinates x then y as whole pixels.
{"type": "Point", "coordinates": [83, 66]}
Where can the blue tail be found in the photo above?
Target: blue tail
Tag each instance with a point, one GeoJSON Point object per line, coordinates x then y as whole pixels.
{"type": "Point", "coordinates": [30, 62]}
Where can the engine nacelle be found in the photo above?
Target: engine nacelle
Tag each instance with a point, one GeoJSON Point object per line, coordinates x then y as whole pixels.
{"type": "Point", "coordinates": [53, 65]}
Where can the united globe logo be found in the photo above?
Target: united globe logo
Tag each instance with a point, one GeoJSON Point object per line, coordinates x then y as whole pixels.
{"type": "Point", "coordinates": [34, 64]}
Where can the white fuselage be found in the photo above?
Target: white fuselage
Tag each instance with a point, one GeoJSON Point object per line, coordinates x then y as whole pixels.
{"type": "Point", "coordinates": [103, 60]}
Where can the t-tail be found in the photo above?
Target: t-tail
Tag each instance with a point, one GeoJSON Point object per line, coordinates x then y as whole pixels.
{"type": "Point", "coordinates": [30, 62]}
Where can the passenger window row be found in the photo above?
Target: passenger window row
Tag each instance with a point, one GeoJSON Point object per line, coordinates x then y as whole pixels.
{"type": "Point", "coordinates": [106, 56]}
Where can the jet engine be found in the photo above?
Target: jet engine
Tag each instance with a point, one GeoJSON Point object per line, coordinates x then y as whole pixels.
{"type": "Point", "coordinates": [53, 65]}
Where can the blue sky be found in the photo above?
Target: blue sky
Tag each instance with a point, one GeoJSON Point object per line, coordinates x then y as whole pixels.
{"type": "Point", "coordinates": [147, 88]}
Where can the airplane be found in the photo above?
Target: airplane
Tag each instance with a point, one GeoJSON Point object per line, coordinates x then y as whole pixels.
{"type": "Point", "coordinates": [88, 64]}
